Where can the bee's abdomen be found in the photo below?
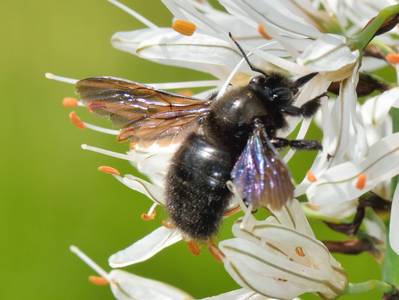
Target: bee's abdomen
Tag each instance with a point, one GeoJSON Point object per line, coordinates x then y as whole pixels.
{"type": "Point", "coordinates": [196, 187]}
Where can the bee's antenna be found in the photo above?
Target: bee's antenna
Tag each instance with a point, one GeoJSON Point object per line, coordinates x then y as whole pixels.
{"type": "Point", "coordinates": [245, 56]}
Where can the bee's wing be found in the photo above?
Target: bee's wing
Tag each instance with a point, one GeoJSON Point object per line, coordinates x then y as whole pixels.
{"type": "Point", "coordinates": [260, 176]}
{"type": "Point", "coordinates": [144, 114]}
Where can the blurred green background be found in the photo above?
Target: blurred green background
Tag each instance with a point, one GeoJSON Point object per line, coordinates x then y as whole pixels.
{"type": "Point", "coordinates": [51, 194]}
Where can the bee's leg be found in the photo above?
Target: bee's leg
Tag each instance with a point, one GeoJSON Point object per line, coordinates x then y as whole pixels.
{"type": "Point", "coordinates": [307, 110]}
{"type": "Point", "coordinates": [370, 200]}
{"type": "Point", "coordinates": [296, 144]}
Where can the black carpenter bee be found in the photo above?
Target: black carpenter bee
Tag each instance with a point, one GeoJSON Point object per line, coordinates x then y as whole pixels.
{"type": "Point", "coordinates": [229, 138]}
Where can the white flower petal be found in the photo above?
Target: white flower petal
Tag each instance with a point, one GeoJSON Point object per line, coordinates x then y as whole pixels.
{"type": "Point", "coordinates": [199, 51]}
{"type": "Point", "coordinates": [394, 223]}
{"type": "Point", "coordinates": [274, 275]}
{"type": "Point", "coordinates": [332, 211]}
{"type": "Point", "coordinates": [152, 191]}
{"type": "Point", "coordinates": [338, 184]}
{"type": "Point", "coordinates": [292, 216]}
{"type": "Point", "coordinates": [153, 162]}
{"type": "Point", "coordinates": [145, 248]}
{"type": "Point", "coordinates": [241, 294]}
{"type": "Point", "coordinates": [127, 286]}
{"type": "Point", "coordinates": [327, 54]}
{"type": "Point", "coordinates": [280, 22]}
{"type": "Point", "coordinates": [376, 109]}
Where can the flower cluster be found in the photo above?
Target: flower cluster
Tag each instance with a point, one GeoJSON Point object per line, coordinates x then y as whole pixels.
{"type": "Point", "coordinates": [343, 42]}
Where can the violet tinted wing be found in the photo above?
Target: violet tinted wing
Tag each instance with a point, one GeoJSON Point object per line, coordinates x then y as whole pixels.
{"type": "Point", "coordinates": [260, 177]}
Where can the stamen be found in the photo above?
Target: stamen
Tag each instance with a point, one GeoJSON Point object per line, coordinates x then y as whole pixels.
{"type": "Point", "coordinates": [392, 58]}
{"type": "Point", "coordinates": [102, 129]}
{"type": "Point", "coordinates": [231, 211]}
{"type": "Point", "coordinates": [134, 14]}
{"type": "Point", "coordinates": [109, 170]}
{"type": "Point", "coordinates": [193, 248]}
{"type": "Point", "coordinates": [99, 281]}
{"type": "Point", "coordinates": [60, 78]}
{"type": "Point", "coordinates": [168, 224]}
{"type": "Point", "coordinates": [105, 152]}
{"type": "Point", "coordinates": [186, 92]}
{"type": "Point", "coordinates": [80, 124]}
{"type": "Point", "coordinates": [310, 176]}
{"type": "Point", "coordinates": [184, 27]}
{"type": "Point", "coordinates": [73, 117]}
{"type": "Point", "coordinates": [215, 251]}
{"type": "Point", "coordinates": [361, 181]}
{"type": "Point", "coordinates": [100, 271]}
{"type": "Point", "coordinates": [299, 251]}
{"type": "Point", "coordinates": [70, 102]}
{"type": "Point", "coordinates": [151, 214]}
{"type": "Point", "coordinates": [263, 33]}
{"type": "Point", "coordinates": [184, 84]}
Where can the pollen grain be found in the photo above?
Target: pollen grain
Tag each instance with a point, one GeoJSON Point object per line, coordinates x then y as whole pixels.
{"type": "Point", "coordinates": [193, 248]}
{"type": "Point", "coordinates": [299, 251]}
{"type": "Point", "coordinates": [76, 120]}
{"type": "Point", "coordinates": [361, 181]}
{"type": "Point", "coordinates": [97, 280]}
{"type": "Point", "coordinates": [109, 170]}
{"type": "Point", "coordinates": [70, 102]}
{"type": "Point", "coordinates": [263, 33]}
{"type": "Point", "coordinates": [148, 217]}
{"type": "Point", "coordinates": [392, 58]}
{"type": "Point", "coordinates": [310, 176]}
{"type": "Point", "coordinates": [184, 27]}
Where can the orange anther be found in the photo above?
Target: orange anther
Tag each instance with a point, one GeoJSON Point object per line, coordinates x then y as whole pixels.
{"type": "Point", "coordinates": [216, 253]}
{"type": "Point", "coordinates": [299, 251]}
{"type": "Point", "coordinates": [96, 280]}
{"type": "Point", "coordinates": [186, 92]}
{"type": "Point", "coordinates": [168, 224]}
{"type": "Point", "coordinates": [310, 176]}
{"type": "Point", "coordinates": [76, 120]}
{"type": "Point", "coordinates": [361, 181]}
{"type": "Point", "coordinates": [231, 211]}
{"type": "Point", "coordinates": [148, 217]}
{"type": "Point", "coordinates": [70, 102]}
{"type": "Point", "coordinates": [263, 33]}
{"type": "Point", "coordinates": [184, 27]}
{"type": "Point", "coordinates": [193, 248]}
{"type": "Point", "coordinates": [392, 58]}
{"type": "Point", "coordinates": [109, 170]}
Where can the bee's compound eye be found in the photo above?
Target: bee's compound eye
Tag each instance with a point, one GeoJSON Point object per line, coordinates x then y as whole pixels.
{"type": "Point", "coordinates": [258, 80]}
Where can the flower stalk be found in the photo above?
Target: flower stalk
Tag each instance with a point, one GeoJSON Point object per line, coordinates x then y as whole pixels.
{"type": "Point", "coordinates": [363, 287]}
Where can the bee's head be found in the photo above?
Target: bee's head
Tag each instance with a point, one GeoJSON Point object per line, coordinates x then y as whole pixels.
{"type": "Point", "coordinates": [274, 89]}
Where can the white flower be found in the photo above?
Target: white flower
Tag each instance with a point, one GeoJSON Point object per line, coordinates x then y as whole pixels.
{"type": "Point", "coordinates": [127, 286]}
{"type": "Point", "coordinates": [281, 258]}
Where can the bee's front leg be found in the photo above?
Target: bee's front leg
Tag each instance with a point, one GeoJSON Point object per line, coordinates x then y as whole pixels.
{"type": "Point", "coordinates": [307, 110]}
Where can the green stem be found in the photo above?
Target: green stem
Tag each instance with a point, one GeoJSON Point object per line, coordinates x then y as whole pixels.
{"type": "Point", "coordinates": [362, 287]}
{"type": "Point", "coordinates": [361, 40]}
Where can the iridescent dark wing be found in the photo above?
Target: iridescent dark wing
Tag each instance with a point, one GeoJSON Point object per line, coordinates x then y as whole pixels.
{"type": "Point", "coordinates": [260, 177]}
{"type": "Point", "coordinates": [144, 114]}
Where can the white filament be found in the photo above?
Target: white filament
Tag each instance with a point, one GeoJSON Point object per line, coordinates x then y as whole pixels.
{"type": "Point", "coordinates": [184, 84]}
{"type": "Point", "coordinates": [101, 129]}
{"type": "Point", "coordinates": [105, 152]}
{"type": "Point", "coordinates": [60, 78]}
{"type": "Point", "coordinates": [134, 14]}
{"type": "Point", "coordinates": [100, 271]}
